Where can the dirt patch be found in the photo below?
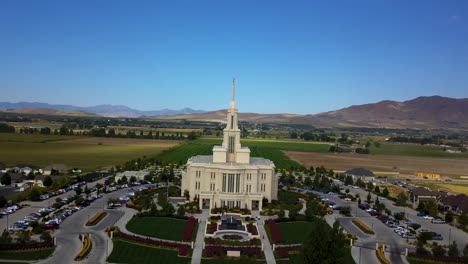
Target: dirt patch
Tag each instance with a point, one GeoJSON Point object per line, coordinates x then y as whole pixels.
{"type": "Point", "coordinates": [405, 165]}
{"type": "Point", "coordinates": [121, 141]}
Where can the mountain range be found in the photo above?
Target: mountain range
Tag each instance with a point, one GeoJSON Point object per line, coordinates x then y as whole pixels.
{"type": "Point", "coordinates": [102, 110]}
{"type": "Point", "coordinates": [426, 112]}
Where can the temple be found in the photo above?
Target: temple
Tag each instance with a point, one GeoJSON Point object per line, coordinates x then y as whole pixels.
{"type": "Point", "coordinates": [230, 177]}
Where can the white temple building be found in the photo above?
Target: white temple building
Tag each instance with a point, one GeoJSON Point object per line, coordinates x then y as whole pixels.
{"type": "Point", "coordinates": [230, 177]}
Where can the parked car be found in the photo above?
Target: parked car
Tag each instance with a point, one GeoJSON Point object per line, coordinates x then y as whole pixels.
{"type": "Point", "coordinates": [428, 217]}
{"type": "Point", "coordinates": [438, 221]}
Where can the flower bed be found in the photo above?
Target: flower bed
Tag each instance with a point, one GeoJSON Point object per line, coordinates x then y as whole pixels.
{"type": "Point", "coordinates": [96, 218]}
{"type": "Point", "coordinates": [212, 228]}
{"type": "Point", "coordinates": [436, 259]}
{"type": "Point", "coordinates": [221, 251]}
{"type": "Point", "coordinates": [365, 228]}
{"type": "Point", "coordinates": [87, 245]}
{"type": "Point", "coordinates": [252, 229]}
{"type": "Point", "coordinates": [381, 256]}
{"type": "Point", "coordinates": [188, 231]}
{"type": "Point", "coordinates": [242, 211]}
{"type": "Point", "coordinates": [28, 246]}
{"type": "Point", "coordinates": [219, 241]}
{"type": "Point", "coordinates": [184, 250]}
{"type": "Point", "coordinates": [153, 242]}
{"type": "Point", "coordinates": [275, 232]}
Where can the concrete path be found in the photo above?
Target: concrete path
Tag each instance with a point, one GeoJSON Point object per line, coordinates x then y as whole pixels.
{"type": "Point", "coordinates": [267, 248]}
{"type": "Point", "coordinates": [198, 246]}
{"type": "Point", "coordinates": [304, 206]}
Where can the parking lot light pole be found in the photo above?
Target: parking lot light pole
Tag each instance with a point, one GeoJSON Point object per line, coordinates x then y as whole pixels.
{"type": "Point", "coordinates": [450, 234]}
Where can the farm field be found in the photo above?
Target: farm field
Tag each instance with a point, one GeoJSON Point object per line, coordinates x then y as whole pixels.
{"type": "Point", "coordinates": [183, 152]}
{"type": "Point", "coordinates": [414, 150]}
{"type": "Point", "coordinates": [450, 187]}
{"type": "Point", "coordinates": [131, 253]}
{"type": "Point", "coordinates": [159, 227]}
{"type": "Point", "coordinates": [82, 152]}
{"type": "Point", "coordinates": [405, 165]}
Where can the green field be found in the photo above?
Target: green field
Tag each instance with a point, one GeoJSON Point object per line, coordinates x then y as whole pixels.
{"type": "Point", "coordinates": [294, 232]}
{"type": "Point", "coordinates": [126, 252]}
{"type": "Point", "coordinates": [266, 149]}
{"type": "Point", "coordinates": [159, 227]}
{"type": "Point", "coordinates": [42, 150]}
{"type": "Point", "coordinates": [415, 150]}
{"type": "Point", "coordinates": [26, 254]}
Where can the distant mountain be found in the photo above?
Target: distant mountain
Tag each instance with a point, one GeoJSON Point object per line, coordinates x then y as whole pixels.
{"type": "Point", "coordinates": [103, 110]}
{"type": "Point", "coordinates": [47, 111]}
{"type": "Point", "coordinates": [423, 112]}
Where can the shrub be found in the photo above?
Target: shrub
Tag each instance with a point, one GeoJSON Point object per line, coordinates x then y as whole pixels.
{"type": "Point", "coordinates": [188, 231]}
{"type": "Point", "coordinates": [275, 232]}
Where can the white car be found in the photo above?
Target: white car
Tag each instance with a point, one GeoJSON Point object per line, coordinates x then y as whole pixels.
{"type": "Point", "coordinates": [355, 187]}
{"type": "Point", "coordinates": [347, 199]}
{"type": "Point", "coordinates": [428, 217]}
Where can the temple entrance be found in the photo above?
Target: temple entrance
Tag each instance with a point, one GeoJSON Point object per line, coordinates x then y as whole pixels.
{"type": "Point", "coordinates": [206, 203]}
{"type": "Point", "coordinates": [255, 205]}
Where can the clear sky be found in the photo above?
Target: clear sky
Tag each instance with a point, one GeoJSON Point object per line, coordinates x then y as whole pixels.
{"type": "Point", "coordinates": [288, 56]}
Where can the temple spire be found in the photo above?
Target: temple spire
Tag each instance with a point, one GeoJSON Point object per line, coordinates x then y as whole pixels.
{"type": "Point", "coordinates": [233, 89]}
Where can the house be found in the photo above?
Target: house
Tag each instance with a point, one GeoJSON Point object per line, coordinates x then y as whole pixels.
{"type": "Point", "coordinates": [139, 175]}
{"type": "Point", "coordinates": [2, 167]}
{"type": "Point", "coordinates": [25, 168]}
{"type": "Point", "coordinates": [17, 177]}
{"type": "Point", "coordinates": [365, 174]}
{"type": "Point", "coordinates": [57, 169]}
{"type": "Point", "coordinates": [457, 204]}
{"type": "Point", "coordinates": [418, 194]}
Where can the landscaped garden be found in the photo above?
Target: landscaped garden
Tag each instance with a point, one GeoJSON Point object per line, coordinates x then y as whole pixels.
{"type": "Point", "coordinates": [159, 227]}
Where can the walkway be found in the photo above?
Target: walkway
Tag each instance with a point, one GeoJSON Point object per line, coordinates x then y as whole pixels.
{"type": "Point", "coordinates": [267, 248]}
{"type": "Point", "coordinates": [198, 246]}
{"type": "Point", "coordinates": [304, 206]}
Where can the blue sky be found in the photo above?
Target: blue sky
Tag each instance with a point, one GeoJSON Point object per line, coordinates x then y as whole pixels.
{"type": "Point", "coordinates": [288, 56]}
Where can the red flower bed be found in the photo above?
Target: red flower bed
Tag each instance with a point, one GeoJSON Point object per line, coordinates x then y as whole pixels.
{"type": "Point", "coordinates": [220, 251]}
{"type": "Point", "coordinates": [283, 252]}
{"type": "Point", "coordinates": [212, 228]}
{"type": "Point", "coordinates": [442, 259]}
{"type": "Point", "coordinates": [275, 232]}
{"type": "Point", "coordinates": [183, 250]}
{"type": "Point", "coordinates": [188, 231]}
{"type": "Point", "coordinates": [252, 229]}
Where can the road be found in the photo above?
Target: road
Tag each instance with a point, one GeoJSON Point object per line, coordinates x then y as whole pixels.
{"type": "Point", "coordinates": [68, 244]}
{"type": "Point", "coordinates": [32, 207]}
{"type": "Point", "coordinates": [447, 231]}
{"type": "Point", "coordinates": [383, 234]}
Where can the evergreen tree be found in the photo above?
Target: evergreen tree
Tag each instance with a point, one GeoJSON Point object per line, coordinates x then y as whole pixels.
{"type": "Point", "coordinates": [6, 179]}
{"type": "Point", "coordinates": [453, 250]}
{"type": "Point", "coordinates": [48, 181]}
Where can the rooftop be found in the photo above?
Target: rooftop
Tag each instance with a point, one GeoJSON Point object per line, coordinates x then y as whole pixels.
{"type": "Point", "coordinates": [360, 172]}
{"type": "Point", "coordinates": [208, 159]}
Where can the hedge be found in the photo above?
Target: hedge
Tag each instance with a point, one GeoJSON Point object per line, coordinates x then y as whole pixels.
{"type": "Point", "coordinates": [365, 228]}
{"type": "Point", "coordinates": [87, 245]}
{"type": "Point", "coordinates": [96, 218]}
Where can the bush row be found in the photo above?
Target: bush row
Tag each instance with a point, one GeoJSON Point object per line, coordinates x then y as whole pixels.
{"type": "Point", "coordinates": [212, 228]}
{"type": "Point", "coordinates": [87, 245]}
{"type": "Point", "coordinates": [275, 232]}
{"type": "Point", "coordinates": [221, 251]}
{"type": "Point", "coordinates": [219, 241]}
{"type": "Point", "coordinates": [96, 218]}
{"type": "Point", "coordinates": [381, 256]}
{"type": "Point", "coordinates": [366, 229]}
{"type": "Point", "coordinates": [27, 246]}
{"type": "Point", "coordinates": [188, 231]}
{"type": "Point", "coordinates": [437, 259]}
{"type": "Point", "coordinates": [252, 229]}
{"type": "Point", "coordinates": [173, 245]}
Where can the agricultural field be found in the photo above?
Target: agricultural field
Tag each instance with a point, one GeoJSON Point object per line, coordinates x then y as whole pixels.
{"type": "Point", "coordinates": [442, 186]}
{"type": "Point", "coordinates": [183, 152]}
{"type": "Point", "coordinates": [414, 150]}
{"type": "Point", "coordinates": [82, 152]}
{"type": "Point", "coordinates": [406, 166]}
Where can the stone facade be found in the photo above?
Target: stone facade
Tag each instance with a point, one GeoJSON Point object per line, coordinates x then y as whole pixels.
{"type": "Point", "coordinates": [230, 177]}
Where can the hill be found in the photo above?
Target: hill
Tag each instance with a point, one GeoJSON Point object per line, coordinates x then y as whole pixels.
{"type": "Point", "coordinates": [46, 111]}
{"type": "Point", "coordinates": [433, 112]}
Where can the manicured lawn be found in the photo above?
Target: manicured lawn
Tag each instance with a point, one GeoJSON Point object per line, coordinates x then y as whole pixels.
{"type": "Point", "coordinates": [297, 259]}
{"type": "Point", "coordinates": [294, 232]}
{"type": "Point", "coordinates": [26, 254]}
{"type": "Point", "coordinates": [126, 252]}
{"type": "Point", "coordinates": [159, 227]}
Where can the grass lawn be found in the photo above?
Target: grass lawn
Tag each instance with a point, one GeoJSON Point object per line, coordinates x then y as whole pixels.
{"type": "Point", "coordinates": [297, 259]}
{"type": "Point", "coordinates": [294, 232]}
{"type": "Point", "coordinates": [26, 254]}
{"type": "Point", "coordinates": [43, 150]}
{"type": "Point", "coordinates": [159, 227]}
{"type": "Point", "coordinates": [126, 252]}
